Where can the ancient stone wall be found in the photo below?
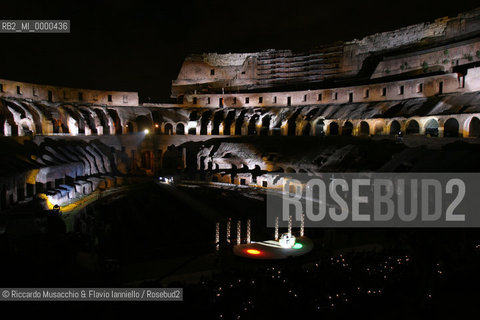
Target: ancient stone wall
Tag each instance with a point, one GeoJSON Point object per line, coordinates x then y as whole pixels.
{"type": "Point", "coordinates": [274, 68]}
{"type": "Point", "coordinates": [48, 93]}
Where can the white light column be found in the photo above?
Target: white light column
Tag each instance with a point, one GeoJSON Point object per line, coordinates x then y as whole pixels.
{"type": "Point", "coordinates": [276, 228]}
{"type": "Point", "coordinates": [302, 226]}
{"type": "Point", "coordinates": [217, 236]}
{"type": "Point", "coordinates": [239, 232]}
{"type": "Point", "coordinates": [229, 228]}
{"type": "Point", "coordinates": [249, 226]}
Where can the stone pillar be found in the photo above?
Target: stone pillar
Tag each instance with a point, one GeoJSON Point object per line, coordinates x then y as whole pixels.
{"type": "Point", "coordinates": [440, 131]}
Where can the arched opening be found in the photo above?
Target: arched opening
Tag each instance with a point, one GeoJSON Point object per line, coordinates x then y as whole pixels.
{"type": "Point", "coordinates": [474, 128]}
{"type": "Point", "coordinates": [227, 124]}
{"type": "Point", "coordinates": [347, 129]}
{"type": "Point", "coordinates": [35, 113]}
{"type": "Point", "coordinates": [26, 127]}
{"type": "Point", "coordinates": [157, 119]}
{"type": "Point", "coordinates": [333, 129]}
{"type": "Point", "coordinates": [378, 129]}
{"type": "Point", "coordinates": [217, 120]}
{"type": "Point", "coordinates": [412, 127]}
{"type": "Point", "coordinates": [292, 123]}
{"type": "Point", "coordinates": [168, 129]}
{"type": "Point", "coordinates": [239, 123]}
{"type": "Point", "coordinates": [276, 126]}
{"type": "Point", "coordinates": [74, 120]}
{"type": "Point", "coordinates": [292, 126]}
{"type": "Point", "coordinates": [103, 121]}
{"type": "Point", "coordinates": [395, 127]}
{"type": "Point", "coordinates": [55, 127]}
{"type": "Point", "coordinates": [364, 129]}
{"type": "Point", "coordinates": [81, 124]}
{"type": "Point", "coordinates": [265, 125]}
{"type": "Point", "coordinates": [192, 131]}
{"type": "Point", "coordinates": [130, 128]}
{"type": "Point", "coordinates": [88, 119]}
{"type": "Point", "coordinates": [116, 121]}
{"type": "Point", "coordinates": [450, 128]}
{"type": "Point", "coordinates": [319, 128]}
{"type": "Point", "coordinates": [306, 129]}
{"type": "Point", "coordinates": [252, 125]}
{"type": "Point", "coordinates": [204, 122]}
{"type": "Point", "coordinates": [180, 129]}
{"type": "Point", "coordinates": [59, 128]}
{"type": "Point", "coordinates": [143, 123]}
{"type": "Point", "coordinates": [431, 128]}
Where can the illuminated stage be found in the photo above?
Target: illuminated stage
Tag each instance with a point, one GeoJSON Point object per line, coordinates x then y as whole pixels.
{"type": "Point", "coordinates": [272, 250]}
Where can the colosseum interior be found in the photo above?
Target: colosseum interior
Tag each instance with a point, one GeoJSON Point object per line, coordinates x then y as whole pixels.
{"type": "Point", "coordinates": [406, 100]}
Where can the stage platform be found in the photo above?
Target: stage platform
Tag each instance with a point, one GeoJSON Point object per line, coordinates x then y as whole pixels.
{"type": "Point", "coordinates": [271, 249]}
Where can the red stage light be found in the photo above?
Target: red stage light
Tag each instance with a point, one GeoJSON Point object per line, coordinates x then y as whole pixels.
{"type": "Point", "coordinates": [253, 251]}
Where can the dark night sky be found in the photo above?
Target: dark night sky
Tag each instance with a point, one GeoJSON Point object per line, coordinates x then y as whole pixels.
{"type": "Point", "coordinates": [139, 45]}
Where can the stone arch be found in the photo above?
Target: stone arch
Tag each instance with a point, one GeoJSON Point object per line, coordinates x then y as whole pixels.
{"type": "Point", "coordinates": [364, 129]}
{"type": "Point", "coordinates": [89, 119]}
{"type": "Point", "coordinates": [333, 128]}
{"type": "Point", "coordinates": [451, 128]}
{"type": "Point", "coordinates": [347, 128]}
{"type": "Point", "coordinates": [103, 120]}
{"type": "Point", "coordinates": [319, 127]}
{"type": "Point", "coordinates": [36, 114]}
{"type": "Point", "coordinates": [276, 123]}
{"type": "Point", "coordinates": [60, 126]}
{"type": "Point", "coordinates": [412, 127]}
{"type": "Point", "coordinates": [168, 129]}
{"type": "Point", "coordinates": [130, 127]}
{"type": "Point", "coordinates": [75, 121]}
{"type": "Point", "coordinates": [143, 123]}
{"type": "Point", "coordinates": [192, 131]}
{"type": "Point", "coordinates": [117, 123]}
{"type": "Point", "coordinates": [252, 125]}
{"type": "Point", "coordinates": [292, 124]}
{"type": "Point", "coordinates": [264, 130]}
{"type": "Point", "coordinates": [239, 122]}
{"type": "Point", "coordinates": [395, 127]}
{"type": "Point", "coordinates": [474, 128]}
{"type": "Point", "coordinates": [431, 127]}
{"type": "Point", "coordinates": [204, 122]}
{"type": "Point", "coordinates": [227, 124]}
{"type": "Point", "coordinates": [180, 129]}
{"type": "Point", "coordinates": [306, 129]}
{"type": "Point", "coordinates": [14, 114]}
{"type": "Point", "coordinates": [26, 127]}
{"type": "Point", "coordinates": [217, 121]}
